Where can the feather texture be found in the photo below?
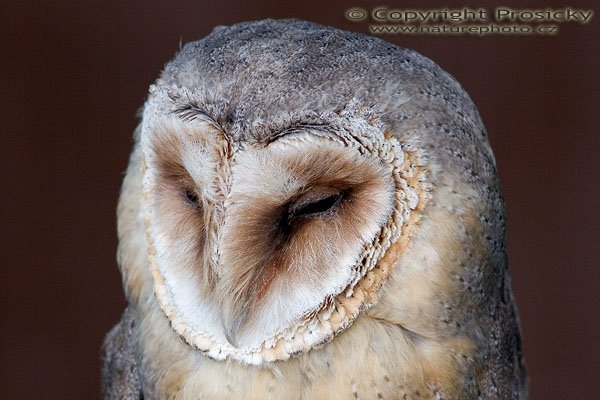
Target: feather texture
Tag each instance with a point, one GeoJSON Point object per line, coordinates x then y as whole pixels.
{"type": "Point", "coordinates": [317, 214]}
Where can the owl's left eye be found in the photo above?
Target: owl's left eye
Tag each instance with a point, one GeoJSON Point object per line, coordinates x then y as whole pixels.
{"type": "Point", "coordinates": [321, 204]}
{"type": "Point", "coordinates": [191, 197]}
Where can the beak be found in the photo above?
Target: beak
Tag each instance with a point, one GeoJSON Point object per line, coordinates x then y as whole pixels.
{"type": "Point", "coordinates": [234, 321]}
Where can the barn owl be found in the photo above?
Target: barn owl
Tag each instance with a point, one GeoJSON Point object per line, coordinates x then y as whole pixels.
{"type": "Point", "coordinates": [310, 213]}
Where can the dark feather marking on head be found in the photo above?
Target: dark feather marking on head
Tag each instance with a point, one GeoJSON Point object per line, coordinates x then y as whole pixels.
{"type": "Point", "coordinates": [192, 111]}
{"type": "Point", "coordinates": [297, 129]}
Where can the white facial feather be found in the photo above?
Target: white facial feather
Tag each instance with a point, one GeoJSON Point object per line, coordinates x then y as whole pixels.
{"type": "Point", "coordinates": [262, 289]}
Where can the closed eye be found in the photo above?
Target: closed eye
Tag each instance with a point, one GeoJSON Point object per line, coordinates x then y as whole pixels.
{"type": "Point", "coordinates": [191, 197]}
{"type": "Point", "coordinates": [316, 207]}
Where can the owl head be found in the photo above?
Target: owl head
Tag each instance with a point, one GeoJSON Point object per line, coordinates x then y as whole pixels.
{"type": "Point", "coordinates": [278, 184]}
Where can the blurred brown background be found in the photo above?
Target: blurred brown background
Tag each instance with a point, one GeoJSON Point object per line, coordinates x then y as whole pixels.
{"type": "Point", "coordinates": [74, 73]}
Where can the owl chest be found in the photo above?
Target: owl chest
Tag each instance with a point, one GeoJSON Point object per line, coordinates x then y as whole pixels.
{"type": "Point", "coordinates": [369, 361]}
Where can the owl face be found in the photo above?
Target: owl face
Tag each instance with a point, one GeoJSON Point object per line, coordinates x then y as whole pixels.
{"type": "Point", "coordinates": [262, 250]}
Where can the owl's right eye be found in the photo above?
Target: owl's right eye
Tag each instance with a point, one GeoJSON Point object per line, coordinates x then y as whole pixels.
{"type": "Point", "coordinates": [191, 197]}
